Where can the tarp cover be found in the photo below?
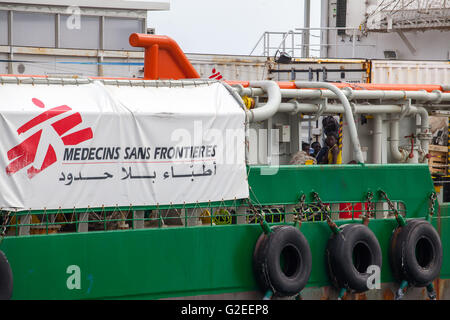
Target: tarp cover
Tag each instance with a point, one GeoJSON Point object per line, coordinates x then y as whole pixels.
{"type": "Point", "coordinates": [102, 145]}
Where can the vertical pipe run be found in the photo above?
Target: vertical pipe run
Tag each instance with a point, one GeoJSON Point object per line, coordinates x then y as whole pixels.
{"type": "Point", "coordinates": [377, 138]}
{"type": "Point", "coordinates": [395, 152]}
{"type": "Point", "coordinates": [324, 24]}
{"type": "Point", "coordinates": [347, 109]}
{"type": "Point", "coordinates": [265, 45]}
{"type": "Point", "coordinates": [425, 135]}
{"type": "Point", "coordinates": [57, 30]}
{"type": "Point", "coordinates": [293, 44]}
{"type": "Point", "coordinates": [270, 141]}
{"type": "Point", "coordinates": [307, 24]}
{"type": "Point", "coordinates": [102, 33]}
{"type": "Point", "coordinates": [10, 41]}
{"type": "Point", "coordinates": [353, 43]}
{"type": "Point", "coordinates": [100, 65]}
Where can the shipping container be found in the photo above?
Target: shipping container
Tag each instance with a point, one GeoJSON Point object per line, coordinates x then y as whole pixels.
{"type": "Point", "coordinates": [406, 72]}
{"type": "Point", "coordinates": [311, 69]}
{"type": "Point", "coordinates": [227, 67]}
{"type": "Point", "coordinates": [413, 72]}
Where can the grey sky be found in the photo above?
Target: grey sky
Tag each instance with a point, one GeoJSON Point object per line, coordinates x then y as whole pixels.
{"type": "Point", "coordinates": [230, 26]}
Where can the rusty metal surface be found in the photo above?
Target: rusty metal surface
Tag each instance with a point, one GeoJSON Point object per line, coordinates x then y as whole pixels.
{"type": "Point", "coordinates": [386, 292]}
{"type": "Point", "coordinates": [230, 67]}
{"type": "Point", "coordinates": [424, 72]}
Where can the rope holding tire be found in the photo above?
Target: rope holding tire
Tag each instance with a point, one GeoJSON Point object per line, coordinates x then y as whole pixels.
{"type": "Point", "coordinates": [349, 255]}
{"type": "Point", "coordinates": [416, 254]}
{"type": "Point", "coordinates": [282, 261]}
{"type": "Point", "coordinates": [6, 278]}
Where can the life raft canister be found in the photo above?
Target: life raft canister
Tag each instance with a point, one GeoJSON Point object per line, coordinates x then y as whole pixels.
{"type": "Point", "coordinates": [282, 261]}
{"type": "Point", "coordinates": [416, 253]}
{"type": "Point", "coordinates": [6, 278]}
{"type": "Point", "coordinates": [349, 254]}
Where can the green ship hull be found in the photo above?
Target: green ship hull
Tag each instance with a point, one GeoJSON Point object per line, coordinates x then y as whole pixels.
{"type": "Point", "coordinates": [216, 260]}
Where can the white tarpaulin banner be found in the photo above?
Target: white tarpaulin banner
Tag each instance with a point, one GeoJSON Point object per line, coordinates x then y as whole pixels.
{"type": "Point", "coordinates": [103, 145]}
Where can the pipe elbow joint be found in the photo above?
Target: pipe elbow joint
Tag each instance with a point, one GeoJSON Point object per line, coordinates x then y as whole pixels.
{"type": "Point", "coordinates": [273, 100]}
{"type": "Point", "coordinates": [399, 155]}
{"type": "Point", "coordinates": [348, 92]}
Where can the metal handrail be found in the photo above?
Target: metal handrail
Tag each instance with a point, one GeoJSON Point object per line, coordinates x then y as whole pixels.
{"type": "Point", "coordinates": [44, 222]}
{"type": "Point", "coordinates": [265, 37]}
{"type": "Point", "coordinates": [292, 48]}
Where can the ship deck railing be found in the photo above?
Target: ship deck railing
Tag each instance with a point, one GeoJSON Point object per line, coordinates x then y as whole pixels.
{"type": "Point", "coordinates": [44, 222]}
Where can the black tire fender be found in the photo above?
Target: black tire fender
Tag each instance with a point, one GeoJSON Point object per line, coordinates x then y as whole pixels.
{"type": "Point", "coordinates": [349, 253]}
{"type": "Point", "coordinates": [416, 253]}
{"type": "Point", "coordinates": [285, 242]}
{"type": "Point", "coordinates": [6, 278]}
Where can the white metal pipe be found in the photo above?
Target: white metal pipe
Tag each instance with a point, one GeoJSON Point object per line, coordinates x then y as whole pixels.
{"type": "Point", "coordinates": [353, 94]}
{"type": "Point", "coordinates": [115, 82]}
{"type": "Point", "coordinates": [324, 24]}
{"type": "Point", "coordinates": [367, 94]}
{"type": "Point", "coordinates": [377, 110]}
{"type": "Point", "coordinates": [294, 107]}
{"type": "Point", "coordinates": [305, 33]}
{"type": "Point", "coordinates": [424, 137]}
{"type": "Point", "coordinates": [396, 154]}
{"type": "Point", "coordinates": [353, 43]}
{"type": "Point", "coordinates": [377, 138]}
{"type": "Point", "coordinates": [273, 101]}
{"type": "Point", "coordinates": [348, 113]}
{"type": "Point", "coordinates": [425, 134]}
{"type": "Point", "coordinates": [424, 118]}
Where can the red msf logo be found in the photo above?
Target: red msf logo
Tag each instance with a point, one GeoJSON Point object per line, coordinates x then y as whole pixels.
{"type": "Point", "coordinates": [24, 154]}
{"type": "Point", "coordinates": [215, 75]}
